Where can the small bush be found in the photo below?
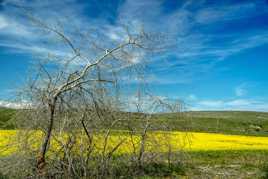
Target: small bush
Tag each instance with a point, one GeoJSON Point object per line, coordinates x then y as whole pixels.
{"type": "Point", "coordinates": [2, 176]}
{"type": "Point", "coordinates": [265, 171]}
{"type": "Point", "coordinates": [163, 169]}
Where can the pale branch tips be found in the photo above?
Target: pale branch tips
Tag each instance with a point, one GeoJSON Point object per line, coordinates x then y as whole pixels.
{"type": "Point", "coordinates": [79, 107]}
{"type": "Point", "coordinates": [76, 80]}
{"type": "Point", "coordinates": [66, 86]}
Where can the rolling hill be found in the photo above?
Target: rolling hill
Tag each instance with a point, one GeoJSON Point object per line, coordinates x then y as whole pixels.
{"type": "Point", "coordinates": [228, 122]}
{"type": "Point", "coordinates": [5, 118]}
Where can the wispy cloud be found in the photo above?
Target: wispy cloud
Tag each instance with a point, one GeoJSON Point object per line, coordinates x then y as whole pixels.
{"type": "Point", "coordinates": [15, 105]}
{"type": "Point", "coordinates": [233, 104]}
{"type": "Point", "coordinates": [192, 47]}
{"type": "Point", "coordinates": [192, 50]}
{"type": "Point", "coordinates": [240, 90]}
{"type": "Point", "coordinates": [3, 23]}
{"type": "Point", "coordinates": [192, 97]}
{"type": "Point", "coordinates": [225, 12]}
{"type": "Point", "coordinates": [11, 27]}
{"type": "Point", "coordinates": [188, 45]}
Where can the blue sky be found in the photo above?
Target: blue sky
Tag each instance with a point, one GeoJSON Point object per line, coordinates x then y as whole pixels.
{"type": "Point", "coordinates": [217, 60]}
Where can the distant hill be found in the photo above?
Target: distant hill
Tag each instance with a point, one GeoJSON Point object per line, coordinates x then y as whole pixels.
{"type": "Point", "coordinates": [228, 122]}
{"type": "Point", "coordinates": [231, 122]}
{"type": "Point", "coordinates": [5, 116]}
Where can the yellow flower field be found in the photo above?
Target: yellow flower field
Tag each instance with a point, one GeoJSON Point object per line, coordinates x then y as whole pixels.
{"type": "Point", "coordinates": [156, 142]}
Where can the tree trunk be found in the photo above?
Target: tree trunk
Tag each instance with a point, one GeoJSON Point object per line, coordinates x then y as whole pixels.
{"type": "Point", "coordinates": [42, 154]}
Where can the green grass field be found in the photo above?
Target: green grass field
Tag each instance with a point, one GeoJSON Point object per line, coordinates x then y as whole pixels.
{"type": "Point", "coordinates": [5, 118]}
{"type": "Point", "coordinates": [208, 164]}
{"type": "Point", "coordinates": [227, 122]}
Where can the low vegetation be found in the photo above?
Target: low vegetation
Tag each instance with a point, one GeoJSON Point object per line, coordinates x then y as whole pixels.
{"type": "Point", "coordinates": [6, 115]}
{"type": "Point", "coordinates": [225, 122]}
{"type": "Point", "coordinates": [207, 153]}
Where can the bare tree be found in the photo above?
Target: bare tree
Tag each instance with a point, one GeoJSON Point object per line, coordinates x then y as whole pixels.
{"type": "Point", "coordinates": [56, 92]}
{"type": "Point", "coordinates": [76, 103]}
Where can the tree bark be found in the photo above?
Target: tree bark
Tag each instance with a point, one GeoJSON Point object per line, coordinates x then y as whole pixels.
{"type": "Point", "coordinates": [42, 155]}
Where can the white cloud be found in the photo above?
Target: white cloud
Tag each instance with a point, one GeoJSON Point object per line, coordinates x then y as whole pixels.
{"type": "Point", "coordinates": [188, 45]}
{"type": "Point", "coordinates": [239, 102]}
{"type": "Point", "coordinates": [178, 25]}
{"type": "Point", "coordinates": [240, 91]}
{"type": "Point", "coordinates": [235, 104]}
{"type": "Point", "coordinates": [192, 97]}
{"type": "Point", "coordinates": [3, 22]}
{"type": "Point", "coordinates": [211, 103]}
{"type": "Point", "coordinates": [15, 105]}
{"type": "Point", "coordinates": [114, 36]}
{"type": "Point", "coordinates": [10, 27]}
{"type": "Point", "coordinates": [230, 12]}
{"type": "Point", "coordinates": [183, 41]}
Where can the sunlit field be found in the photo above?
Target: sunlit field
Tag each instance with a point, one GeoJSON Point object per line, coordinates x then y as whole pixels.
{"type": "Point", "coordinates": [156, 142]}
